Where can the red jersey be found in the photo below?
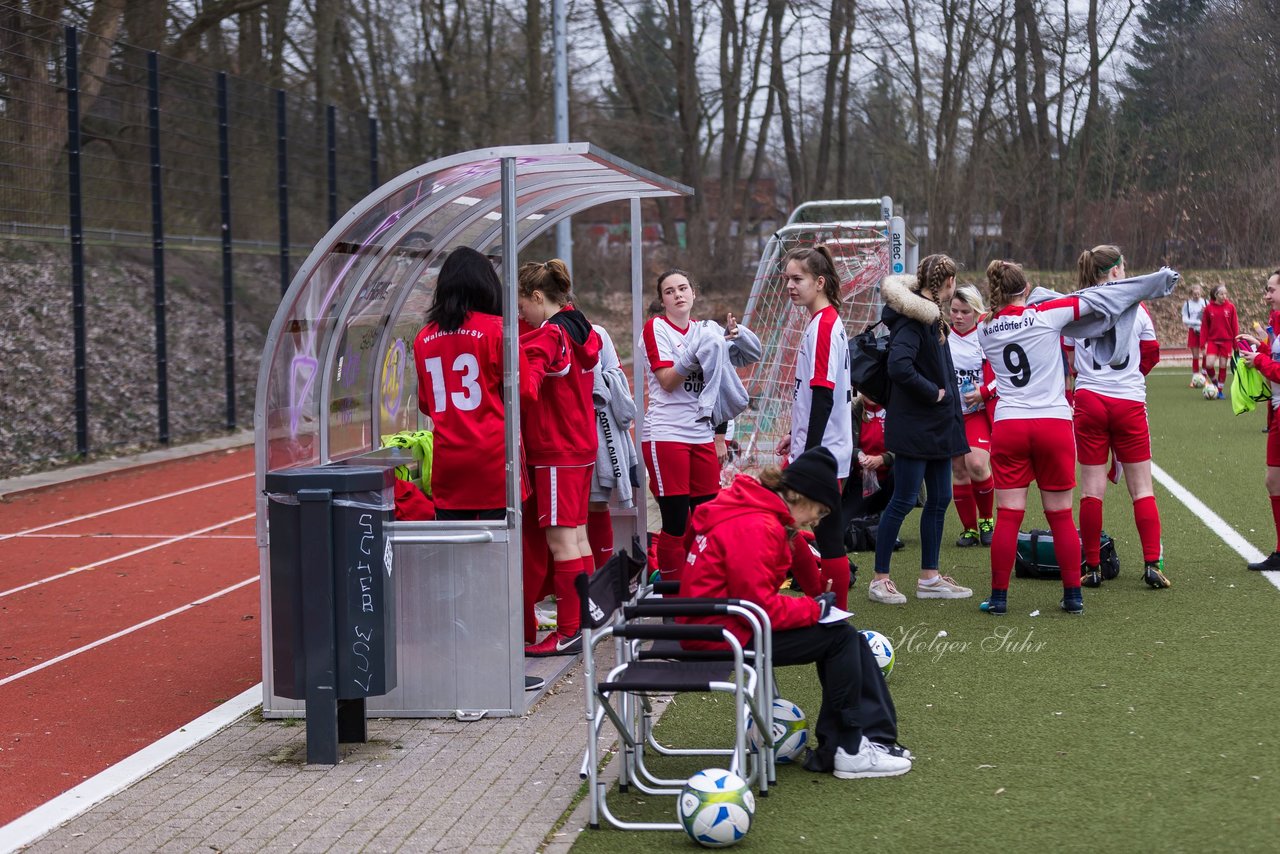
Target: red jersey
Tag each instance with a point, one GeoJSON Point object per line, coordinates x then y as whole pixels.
{"type": "Point", "coordinates": [1218, 323]}
{"type": "Point", "coordinates": [558, 417]}
{"type": "Point", "coordinates": [460, 389]}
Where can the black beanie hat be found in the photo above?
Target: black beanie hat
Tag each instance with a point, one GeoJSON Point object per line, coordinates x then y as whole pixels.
{"type": "Point", "coordinates": [813, 475]}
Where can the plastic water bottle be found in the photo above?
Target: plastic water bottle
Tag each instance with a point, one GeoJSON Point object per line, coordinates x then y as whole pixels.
{"type": "Point", "coordinates": [967, 387]}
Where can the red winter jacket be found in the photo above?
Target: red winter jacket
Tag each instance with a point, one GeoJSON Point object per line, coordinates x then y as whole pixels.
{"type": "Point", "coordinates": [741, 551]}
{"type": "Point", "coordinates": [557, 414]}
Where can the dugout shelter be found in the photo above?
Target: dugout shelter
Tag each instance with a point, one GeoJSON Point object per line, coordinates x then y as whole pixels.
{"type": "Point", "coordinates": [337, 375]}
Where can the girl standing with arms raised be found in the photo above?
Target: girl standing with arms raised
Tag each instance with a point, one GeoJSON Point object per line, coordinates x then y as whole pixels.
{"type": "Point", "coordinates": [821, 413]}
{"type": "Point", "coordinates": [1219, 327]}
{"type": "Point", "coordinates": [558, 427]}
{"type": "Point", "coordinates": [972, 487]}
{"type": "Point", "coordinates": [1111, 413]}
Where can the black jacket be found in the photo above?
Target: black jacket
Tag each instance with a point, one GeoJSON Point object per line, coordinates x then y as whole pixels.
{"type": "Point", "coordinates": [916, 423]}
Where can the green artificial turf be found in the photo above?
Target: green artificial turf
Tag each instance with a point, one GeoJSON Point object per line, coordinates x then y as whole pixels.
{"type": "Point", "coordinates": [1147, 724]}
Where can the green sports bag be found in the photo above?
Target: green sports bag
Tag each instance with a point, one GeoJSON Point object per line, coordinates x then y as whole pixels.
{"type": "Point", "coordinates": [1036, 558]}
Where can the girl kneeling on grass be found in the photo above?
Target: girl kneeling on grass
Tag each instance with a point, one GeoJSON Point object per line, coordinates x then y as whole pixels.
{"type": "Point", "coordinates": [741, 549]}
{"type": "Point", "coordinates": [1268, 363]}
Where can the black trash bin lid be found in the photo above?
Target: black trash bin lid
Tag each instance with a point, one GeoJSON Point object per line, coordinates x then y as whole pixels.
{"type": "Point", "coordinates": [336, 477]}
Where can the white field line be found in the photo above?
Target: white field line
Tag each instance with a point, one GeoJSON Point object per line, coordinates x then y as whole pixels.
{"type": "Point", "coordinates": [119, 507]}
{"type": "Point", "coordinates": [136, 551]}
{"type": "Point", "coordinates": [100, 641]}
{"type": "Point", "coordinates": [1215, 523]}
{"type": "Point", "coordinates": [28, 828]}
{"type": "Point", "coordinates": [130, 537]}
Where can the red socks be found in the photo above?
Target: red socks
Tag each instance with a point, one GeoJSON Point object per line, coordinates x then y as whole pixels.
{"type": "Point", "coordinates": [600, 535]}
{"type": "Point", "coordinates": [1066, 545]}
{"type": "Point", "coordinates": [1091, 528]}
{"type": "Point", "coordinates": [671, 556]}
{"type": "Point", "coordinates": [966, 507]}
{"type": "Point", "coordinates": [1004, 546]}
{"type": "Point", "coordinates": [1222, 377]}
{"type": "Point", "coordinates": [1195, 362]}
{"type": "Point", "coordinates": [836, 571]}
{"type": "Point", "coordinates": [568, 605]}
{"type": "Point", "coordinates": [1147, 518]}
{"type": "Point", "coordinates": [984, 495]}
{"type": "Point", "coordinates": [804, 565]}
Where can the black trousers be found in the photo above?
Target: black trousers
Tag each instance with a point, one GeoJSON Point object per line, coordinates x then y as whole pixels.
{"type": "Point", "coordinates": [855, 698]}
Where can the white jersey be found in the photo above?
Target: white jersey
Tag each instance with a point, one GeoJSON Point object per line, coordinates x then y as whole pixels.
{"type": "Point", "coordinates": [1023, 344]}
{"type": "Point", "coordinates": [967, 359]}
{"type": "Point", "coordinates": [1191, 311]}
{"type": "Point", "coordinates": [1124, 381]}
{"type": "Point", "coordinates": [823, 361]}
{"type": "Point", "coordinates": [671, 416]}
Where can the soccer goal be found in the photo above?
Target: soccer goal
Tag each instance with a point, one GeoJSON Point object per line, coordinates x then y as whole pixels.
{"type": "Point", "coordinates": [865, 251]}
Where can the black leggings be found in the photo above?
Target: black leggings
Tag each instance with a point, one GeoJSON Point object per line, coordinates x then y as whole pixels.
{"type": "Point", "coordinates": [675, 511]}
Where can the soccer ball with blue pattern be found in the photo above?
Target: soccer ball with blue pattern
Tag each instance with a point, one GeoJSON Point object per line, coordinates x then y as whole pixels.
{"type": "Point", "coordinates": [716, 807]}
{"type": "Point", "coordinates": [882, 649]}
{"type": "Point", "coordinates": [790, 732]}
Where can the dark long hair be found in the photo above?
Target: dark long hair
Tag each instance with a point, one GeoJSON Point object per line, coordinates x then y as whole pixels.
{"type": "Point", "coordinates": [467, 283]}
{"type": "Point", "coordinates": [818, 262]}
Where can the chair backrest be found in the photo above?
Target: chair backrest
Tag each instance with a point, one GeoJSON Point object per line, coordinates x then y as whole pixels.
{"type": "Point", "coordinates": [607, 589]}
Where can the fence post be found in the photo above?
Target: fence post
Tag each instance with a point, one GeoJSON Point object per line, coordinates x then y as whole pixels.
{"type": "Point", "coordinates": [331, 137]}
{"type": "Point", "coordinates": [76, 227]}
{"type": "Point", "coordinates": [157, 246]}
{"type": "Point", "coordinates": [282, 186]}
{"type": "Point", "coordinates": [373, 154]}
{"type": "Point", "coordinates": [228, 290]}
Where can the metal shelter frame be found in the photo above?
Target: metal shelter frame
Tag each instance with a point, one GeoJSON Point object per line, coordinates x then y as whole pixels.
{"type": "Point", "coordinates": [336, 372]}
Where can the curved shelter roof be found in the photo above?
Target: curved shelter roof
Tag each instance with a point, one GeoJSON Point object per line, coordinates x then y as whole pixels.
{"type": "Point", "coordinates": [335, 374]}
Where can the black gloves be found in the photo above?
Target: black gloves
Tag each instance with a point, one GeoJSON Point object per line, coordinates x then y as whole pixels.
{"type": "Point", "coordinates": [826, 601]}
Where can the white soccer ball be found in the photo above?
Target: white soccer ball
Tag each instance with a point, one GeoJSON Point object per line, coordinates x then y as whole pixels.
{"type": "Point", "coordinates": [716, 807]}
{"type": "Point", "coordinates": [1210, 391]}
{"type": "Point", "coordinates": [790, 734]}
{"type": "Point", "coordinates": [882, 649]}
{"type": "Point", "coordinates": [1198, 380]}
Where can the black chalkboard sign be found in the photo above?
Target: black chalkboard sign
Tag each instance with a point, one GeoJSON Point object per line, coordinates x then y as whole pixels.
{"type": "Point", "coordinates": [365, 598]}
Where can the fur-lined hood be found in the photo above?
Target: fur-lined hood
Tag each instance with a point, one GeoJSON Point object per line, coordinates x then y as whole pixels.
{"type": "Point", "coordinates": [899, 295]}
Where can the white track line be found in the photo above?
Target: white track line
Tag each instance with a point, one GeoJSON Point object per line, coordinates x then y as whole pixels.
{"type": "Point", "coordinates": [97, 513]}
{"type": "Point", "coordinates": [43, 819]}
{"type": "Point", "coordinates": [137, 551]}
{"type": "Point", "coordinates": [1216, 523]}
{"type": "Point", "coordinates": [100, 641]}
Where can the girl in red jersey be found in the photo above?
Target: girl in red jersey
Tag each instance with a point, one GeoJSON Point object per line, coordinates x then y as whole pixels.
{"type": "Point", "coordinates": [1219, 327]}
{"type": "Point", "coordinates": [821, 413]}
{"type": "Point", "coordinates": [1267, 360]}
{"type": "Point", "coordinates": [972, 487]}
{"type": "Point", "coordinates": [1111, 417]}
{"type": "Point", "coordinates": [458, 355]}
{"type": "Point", "coordinates": [558, 428]}
{"type": "Point", "coordinates": [1032, 438]}
{"type": "Point", "coordinates": [682, 453]}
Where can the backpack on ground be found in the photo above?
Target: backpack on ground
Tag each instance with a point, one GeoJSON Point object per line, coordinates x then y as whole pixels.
{"type": "Point", "coordinates": [869, 363]}
{"type": "Point", "coordinates": [1035, 558]}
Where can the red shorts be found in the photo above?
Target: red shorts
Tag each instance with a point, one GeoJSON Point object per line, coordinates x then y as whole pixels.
{"type": "Point", "coordinates": [1193, 339]}
{"type": "Point", "coordinates": [1103, 423]}
{"type": "Point", "coordinates": [681, 468]}
{"type": "Point", "coordinates": [1039, 449]}
{"type": "Point", "coordinates": [1218, 348]}
{"type": "Point", "coordinates": [561, 494]}
{"type": "Point", "coordinates": [1273, 440]}
{"type": "Point", "coordinates": [977, 429]}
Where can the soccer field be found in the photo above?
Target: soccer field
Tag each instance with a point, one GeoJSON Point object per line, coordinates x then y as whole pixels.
{"type": "Point", "coordinates": [1148, 724]}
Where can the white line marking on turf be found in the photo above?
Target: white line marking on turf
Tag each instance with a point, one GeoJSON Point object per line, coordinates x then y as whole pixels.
{"type": "Point", "coordinates": [137, 551]}
{"type": "Point", "coordinates": [97, 513]}
{"type": "Point", "coordinates": [1216, 523]}
{"type": "Point", "coordinates": [100, 641]}
{"type": "Point", "coordinates": [28, 828]}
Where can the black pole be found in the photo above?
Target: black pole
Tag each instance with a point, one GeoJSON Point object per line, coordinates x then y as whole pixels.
{"type": "Point", "coordinates": [76, 227]}
{"type": "Point", "coordinates": [157, 246]}
{"type": "Point", "coordinates": [373, 153]}
{"type": "Point", "coordinates": [331, 134]}
{"type": "Point", "coordinates": [282, 187]}
{"type": "Point", "coordinates": [228, 290]}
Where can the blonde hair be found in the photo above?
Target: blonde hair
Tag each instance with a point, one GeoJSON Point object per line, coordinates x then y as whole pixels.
{"type": "Point", "coordinates": [1095, 263]}
{"type": "Point", "coordinates": [550, 277]}
{"type": "Point", "coordinates": [770, 478]}
{"type": "Point", "coordinates": [1005, 281]}
{"type": "Point", "coordinates": [972, 297]}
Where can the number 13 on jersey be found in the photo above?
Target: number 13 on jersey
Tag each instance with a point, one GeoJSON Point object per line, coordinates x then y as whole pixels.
{"type": "Point", "coordinates": [461, 387]}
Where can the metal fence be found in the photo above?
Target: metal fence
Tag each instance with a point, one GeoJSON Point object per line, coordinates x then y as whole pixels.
{"type": "Point", "coordinates": [137, 163]}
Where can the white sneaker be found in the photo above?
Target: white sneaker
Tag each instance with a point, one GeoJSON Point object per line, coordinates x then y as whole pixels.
{"type": "Point", "coordinates": [545, 615]}
{"type": "Point", "coordinates": [943, 587]}
{"type": "Point", "coordinates": [871, 760]}
{"type": "Point", "coordinates": [885, 593]}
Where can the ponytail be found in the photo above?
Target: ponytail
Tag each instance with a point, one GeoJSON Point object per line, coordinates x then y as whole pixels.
{"type": "Point", "coordinates": [550, 277]}
{"type": "Point", "coordinates": [1005, 281]}
{"type": "Point", "coordinates": [819, 263]}
{"type": "Point", "coordinates": [1094, 264]}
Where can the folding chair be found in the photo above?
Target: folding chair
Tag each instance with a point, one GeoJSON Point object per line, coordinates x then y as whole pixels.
{"type": "Point", "coordinates": [622, 697]}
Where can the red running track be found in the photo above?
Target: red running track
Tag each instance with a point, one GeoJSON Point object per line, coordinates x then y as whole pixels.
{"type": "Point", "coordinates": [126, 611]}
